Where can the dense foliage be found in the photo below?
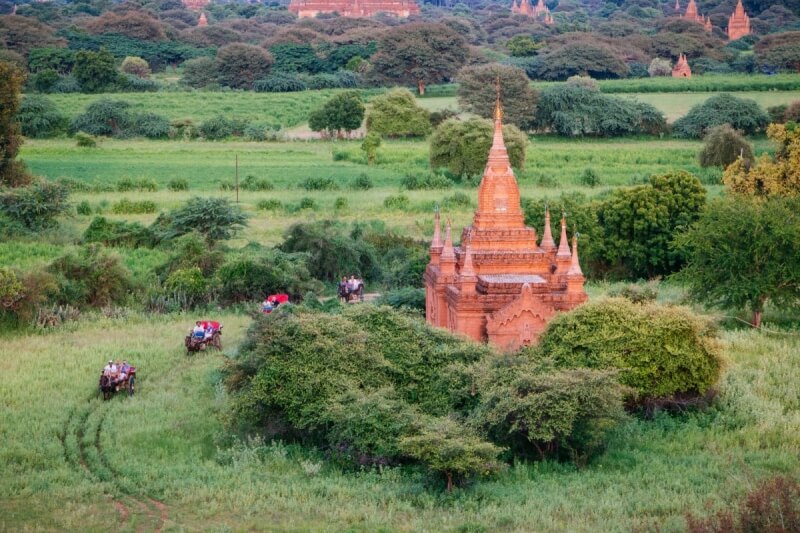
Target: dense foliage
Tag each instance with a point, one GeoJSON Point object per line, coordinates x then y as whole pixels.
{"type": "Point", "coordinates": [397, 114]}
{"type": "Point", "coordinates": [12, 171]}
{"type": "Point", "coordinates": [343, 112]}
{"type": "Point", "coordinates": [742, 114]}
{"type": "Point", "coordinates": [768, 176]}
{"type": "Point", "coordinates": [39, 117]}
{"type": "Point", "coordinates": [477, 93]}
{"type": "Point", "coordinates": [722, 146]}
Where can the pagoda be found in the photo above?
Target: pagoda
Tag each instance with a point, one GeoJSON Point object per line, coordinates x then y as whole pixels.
{"type": "Point", "coordinates": [694, 15]}
{"type": "Point", "coordinates": [681, 68]}
{"type": "Point", "coordinates": [354, 8]}
{"type": "Point", "coordinates": [738, 23]}
{"type": "Point", "coordinates": [195, 5]}
{"type": "Point", "coordinates": [539, 10]}
{"type": "Point", "coordinates": [203, 21]}
{"type": "Point", "coordinates": [499, 285]}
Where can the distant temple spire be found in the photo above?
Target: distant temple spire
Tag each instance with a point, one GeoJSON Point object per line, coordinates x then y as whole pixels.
{"type": "Point", "coordinates": [448, 253]}
{"type": "Point", "coordinates": [540, 10]}
{"type": "Point", "coordinates": [203, 20]}
{"type": "Point", "coordinates": [575, 266]}
{"type": "Point", "coordinates": [738, 23]}
{"type": "Point", "coordinates": [681, 68]}
{"type": "Point", "coordinates": [678, 6]}
{"type": "Point", "coordinates": [354, 8]}
{"type": "Point", "coordinates": [563, 243]}
{"type": "Point", "coordinates": [437, 230]}
{"type": "Point", "coordinates": [548, 244]}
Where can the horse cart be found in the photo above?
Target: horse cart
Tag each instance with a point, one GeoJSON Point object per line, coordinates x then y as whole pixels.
{"type": "Point", "coordinates": [109, 385]}
{"type": "Point", "coordinates": [212, 337]}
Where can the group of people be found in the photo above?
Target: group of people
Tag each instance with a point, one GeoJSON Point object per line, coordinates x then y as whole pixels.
{"type": "Point", "coordinates": [118, 372]}
{"type": "Point", "coordinates": [203, 330]}
{"type": "Point", "coordinates": [272, 301]}
{"type": "Point", "coordinates": [348, 287]}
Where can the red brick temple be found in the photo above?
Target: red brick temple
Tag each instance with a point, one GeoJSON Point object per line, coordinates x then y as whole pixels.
{"type": "Point", "coordinates": [196, 5]}
{"type": "Point", "coordinates": [203, 21]}
{"type": "Point", "coordinates": [499, 285]}
{"type": "Point", "coordinates": [681, 68]}
{"type": "Point", "coordinates": [738, 23]}
{"type": "Point", "coordinates": [694, 15]}
{"type": "Point", "coordinates": [539, 10]}
{"type": "Point", "coordinates": [354, 8]}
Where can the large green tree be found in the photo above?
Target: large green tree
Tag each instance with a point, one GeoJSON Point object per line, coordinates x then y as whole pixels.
{"type": "Point", "coordinates": [744, 252]}
{"type": "Point", "coordinates": [239, 65]}
{"type": "Point", "coordinates": [581, 59]}
{"type": "Point", "coordinates": [477, 93]}
{"type": "Point", "coordinates": [213, 218]}
{"type": "Point", "coordinates": [419, 54]}
{"type": "Point", "coordinates": [96, 72]}
{"type": "Point", "coordinates": [780, 51]}
{"type": "Point", "coordinates": [343, 112]}
{"type": "Point", "coordinates": [463, 146]}
{"type": "Point", "coordinates": [12, 172]}
{"type": "Point", "coordinates": [396, 114]}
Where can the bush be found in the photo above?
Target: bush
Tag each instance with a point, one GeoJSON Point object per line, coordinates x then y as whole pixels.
{"type": "Point", "coordinates": [103, 117]}
{"type": "Point", "coordinates": [178, 184]}
{"type": "Point", "coordinates": [458, 199]}
{"type": "Point", "coordinates": [417, 181]}
{"type": "Point", "coordinates": [136, 66]}
{"type": "Point", "coordinates": [239, 65]}
{"type": "Point", "coordinates": [199, 72]}
{"type": "Point", "coordinates": [36, 206]}
{"type": "Point", "coordinates": [663, 353]}
{"type": "Point", "coordinates": [280, 82]}
{"type": "Point", "coordinates": [141, 185]}
{"type": "Point", "coordinates": [408, 298]}
{"type": "Point", "coordinates": [396, 114]}
{"type": "Point", "coordinates": [133, 207]}
{"type": "Point", "coordinates": [340, 203]}
{"type": "Point", "coordinates": [92, 277]}
{"type": "Point", "coordinates": [252, 183]}
{"type": "Point", "coordinates": [215, 219]}
{"type": "Point", "coordinates": [792, 113]}
{"type": "Point", "coordinates": [463, 146]}
{"type": "Point", "coordinates": [45, 81]}
{"type": "Point", "coordinates": [319, 184]}
{"type": "Point", "coordinates": [660, 67]}
{"type": "Point", "coordinates": [636, 293]}
{"type": "Point", "coordinates": [217, 128]}
{"type": "Point", "coordinates": [188, 282]}
{"type": "Point", "coordinates": [307, 203]}
{"type": "Point", "coordinates": [559, 414]}
{"type": "Point", "coordinates": [39, 117]}
{"type": "Point", "coordinates": [84, 140]}
{"type": "Point", "coordinates": [150, 125]}
{"type": "Point", "coordinates": [254, 274]}
{"type": "Point", "coordinates": [84, 208]}
{"type": "Point", "coordinates": [362, 182]}
{"type": "Point", "coordinates": [270, 204]}
{"type": "Point", "coordinates": [261, 131]}
{"type": "Point", "coordinates": [590, 178]}
{"type": "Point", "coordinates": [722, 146]}
{"type": "Point", "coordinates": [397, 201]}
{"type": "Point", "coordinates": [343, 112]}
{"type": "Point", "coordinates": [742, 114]}
{"type": "Point", "coordinates": [117, 233]}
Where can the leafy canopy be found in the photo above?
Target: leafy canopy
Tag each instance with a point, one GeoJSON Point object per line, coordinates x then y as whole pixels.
{"type": "Point", "coordinates": [342, 112]}
{"type": "Point", "coordinates": [778, 176]}
{"type": "Point", "coordinates": [396, 114]}
{"type": "Point", "coordinates": [216, 219]}
{"type": "Point", "coordinates": [477, 93]}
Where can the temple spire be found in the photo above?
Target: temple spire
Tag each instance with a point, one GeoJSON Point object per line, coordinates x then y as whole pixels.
{"type": "Point", "coordinates": [563, 244]}
{"type": "Point", "coordinates": [437, 231]}
{"type": "Point", "coordinates": [467, 269]}
{"type": "Point", "coordinates": [548, 244]}
{"type": "Point", "coordinates": [448, 253]}
{"type": "Point", "coordinates": [575, 266]}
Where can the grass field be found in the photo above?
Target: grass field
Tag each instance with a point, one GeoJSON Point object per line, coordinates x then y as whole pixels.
{"type": "Point", "coordinates": [72, 462]}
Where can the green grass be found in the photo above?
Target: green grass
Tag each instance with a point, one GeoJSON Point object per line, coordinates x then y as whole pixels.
{"type": "Point", "coordinates": [65, 455]}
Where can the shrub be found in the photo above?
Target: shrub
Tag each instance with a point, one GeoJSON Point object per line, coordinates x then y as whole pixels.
{"type": "Point", "coordinates": [189, 282]}
{"type": "Point", "coordinates": [458, 199]}
{"type": "Point", "coordinates": [150, 125]}
{"type": "Point", "coordinates": [133, 207]}
{"type": "Point", "coordinates": [280, 82]}
{"type": "Point", "coordinates": [254, 274]}
{"type": "Point", "coordinates": [239, 65]}
{"type": "Point", "coordinates": [36, 206]}
{"type": "Point", "coordinates": [636, 293]}
{"type": "Point", "coordinates": [660, 67]}
{"type": "Point", "coordinates": [135, 66]}
{"type": "Point", "coordinates": [662, 352]}
{"type": "Point", "coordinates": [252, 183]}
{"type": "Point", "coordinates": [564, 414]}
{"type": "Point", "coordinates": [178, 184]}
{"type": "Point", "coordinates": [769, 176]}
{"type": "Point", "coordinates": [142, 184]}
{"type": "Point", "coordinates": [722, 146]}
{"type": "Point", "coordinates": [45, 81]}
{"type": "Point", "coordinates": [199, 72]}
{"type": "Point", "coordinates": [742, 114]}
{"type": "Point", "coordinates": [270, 204]}
{"type": "Point", "coordinates": [396, 114]}
{"type": "Point", "coordinates": [370, 145]}
{"type": "Point", "coordinates": [792, 113]}
{"type": "Point", "coordinates": [261, 131]}
{"type": "Point", "coordinates": [340, 203]}
{"type": "Point", "coordinates": [463, 146]}
{"type": "Point", "coordinates": [397, 201]}
{"type": "Point", "coordinates": [84, 208]}
{"type": "Point", "coordinates": [117, 233]}
{"type": "Point", "coordinates": [408, 298]}
{"type": "Point", "coordinates": [429, 180]}
{"type": "Point", "coordinates": [39, 117]}
{"type": "Point", "coordinates": [319, 184]}
{"type": "Point", "coordinates": [343, 112]}
{"type": "Point", "coordinates": [215, 219]}
{"type": "Point", "coordinates": [362, 182]}
{"type": "Point", "coordinates": [103, 117]}
{"type": "Point", "coordinates": [91, 277]}
{"type": "Point", "coordinates": [216, 128]}
{"type": "Point", "coordinates": [307, 203]}
{"type": "Point", "coordinates": [84, 140]}
{"type": "Point", "coordinates": [590, 178]}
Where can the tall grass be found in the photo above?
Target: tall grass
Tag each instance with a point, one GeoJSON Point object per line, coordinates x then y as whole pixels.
{"type": "Point", "coordinates": [165, 443]}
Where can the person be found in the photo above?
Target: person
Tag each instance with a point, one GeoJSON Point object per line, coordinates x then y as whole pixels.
{"type": "Point", "coordinates": [199, 331]}
{"type": "Point", "coordinates": [352, 284]}
{"type": "Point", "coordinates": [267, 306]}
{"type": "Point", "coordinates": [209, 331]}
{"type": "Point", "coordinates": [343, 288]}
{"type": "Point", "coordinates": [123, 371]}
{"type": "Point", "coordinates": [110, 369]}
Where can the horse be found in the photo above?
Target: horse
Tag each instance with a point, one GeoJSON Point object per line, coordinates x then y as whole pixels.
{"type": "Point", "coordinates": [347, 294]}
{"type": "Point", "coordinates": [107, 386]}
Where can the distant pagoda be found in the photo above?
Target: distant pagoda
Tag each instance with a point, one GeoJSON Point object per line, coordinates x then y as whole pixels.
{"type": "Point", "coordinates": [203, 21]}
{"type": "Point", "coordinates": [354, 8]}
{"type": "Point", "coordinates": [500, 285]}
{"type": "Point", "coordinates": [195, 5]}
{"type": "Point", "coordinates": [538, 11]}
{"type": "Point", "coordinates": [681, 69]}
{"type": "Point", "coordinates": [694, 15]}
{"type": "Point", "coordinates": [738, 23]}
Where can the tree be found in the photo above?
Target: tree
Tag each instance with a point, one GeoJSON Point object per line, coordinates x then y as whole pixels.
{"type": "Point", "coordinates": [133, 24]}
{"type": "Point", "coordinates": [779, 176]}
{"type": "Point", "coordinates": [722, 146]}
{"type": "Point", "coordinates": [370, 145]}
{"type": "Point", "coordinates": [239, 65]}
{"type": "Point", "coordinates": [780, 51]}
{"type": "Point", "coordinates": [290, 57]}
{"type": "Point", "coordinates": [463, 146]}
{"type": "Point", "coordinates": [22, 34]}
{"type": "Point", "coordinates": [95, 71]}
{"type": "Point", "coordinates": [744, 252]}
{"type": "Point", "coordinates": [742, 114]}
{"type": "Point", "coordinates": [39, 117]}
{"type": "Point", "coordinates": [640, 222]}
{"type": "Point", "coordinates": [136, 66]}
{"type": "Point", "coordinates": [581, 58]}
{"type": "Point", "coordinates": [396, 114]}
{"type": "Point", "coordinates": [343, 112]}
{"type": "Point", "coordinates": [199, 72]}
{"type": "Point", "coordinates": [12, 172]}
{"type": "Point", "coordinates": [51, 58]}
{"type": "Point", "coordinates": [419, 54]}
{"type": "Point", "coordinates": [446, 447]}
{"type": "Point", "coordinates": [36, 206]}
{"type": "Point", "coordinates": [660, 67]}
{"type": "Point", "coordinates": [523, 46]}
{"type": "Point", "coordinates": [213, 218]}
{"type": "Point", "coordinates": [477, 93]}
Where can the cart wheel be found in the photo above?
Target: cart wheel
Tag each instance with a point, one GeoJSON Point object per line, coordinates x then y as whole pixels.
{"type": "Point", "coordinates": [131, 385]}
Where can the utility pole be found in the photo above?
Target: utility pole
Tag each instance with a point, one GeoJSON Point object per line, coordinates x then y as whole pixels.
{"type": "Point", "coordinates": [237, 178]}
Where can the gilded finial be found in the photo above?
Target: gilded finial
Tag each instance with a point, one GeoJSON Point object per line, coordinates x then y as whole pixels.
{"type": "Point", "coordinates": [498, 109]}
